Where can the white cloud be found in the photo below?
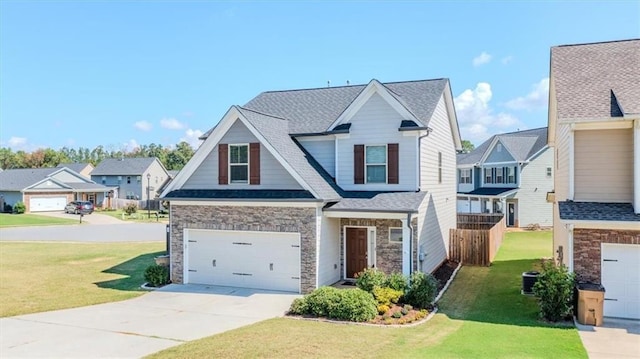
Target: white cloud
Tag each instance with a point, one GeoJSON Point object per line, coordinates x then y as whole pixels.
{"type": "Point", "coordinates": [143, 125]}
{"type": "Point", "coordinates": [536, 99]}
{"type": "Point", "coordinates": [481, 59]}
{"type": "Point", "coordinates": [17, 142]}
{"type": "Point", "coordinates": [477, 119]}
{"type": "Point", "coordinates": [507, 59]}
{"type": "Point", "coordinates": [131, 145]}
{"type": "Point", "coordinates": [191, 137]}
{"type": "Point", "coordinates": [171, 124]}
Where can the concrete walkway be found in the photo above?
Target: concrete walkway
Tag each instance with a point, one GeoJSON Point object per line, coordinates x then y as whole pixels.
{"type": "Point", "coordinates": [93, 218]}
{"type": "Point", "coordinates": [137, 327]}
{"type": "Point", "coordinates": [616, 338]}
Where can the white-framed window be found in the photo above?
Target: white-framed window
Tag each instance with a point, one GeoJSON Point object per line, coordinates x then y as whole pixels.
{"type": "Point", "coordinates": [499, 175]}
{"type": "Point", "coordinates": [499, 147]}
{"type": "Point", "coordinates": [119, 179]}
{"type": "Point", "coordinates": [439, 167]}
{"type": "Point", "coordinates": [376, 163]}
{"type": "Point", "coordinates": [156, 179]}
{"type": "Point", "coordinates": [395, 234]}
{"type": "Point", "coordinates": [138, 179]}
{"type": "Point", "coordinates": [488, 178]}
{"type": "Point", "coordinates": [104, 179]}
{"type": "Point", "coordinates": [465, 175]}
{"type": "Point", "coordinates": [549, 172]}
{"type": "Point", "coordinates": [511, 175]}
{"type": "Point", "coordinates": [239, 163]}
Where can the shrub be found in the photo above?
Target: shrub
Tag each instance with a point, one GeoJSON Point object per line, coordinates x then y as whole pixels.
{"type": "Point", "coordinates": [397, 281]}
{"type": "Point", "coordinates": [299, 306]}
{"type": "Point", "coordinates": [370, 278]}
{"type": "Point", "coordinates": [404, 311]}
{"type": "Point", "coordinates": [554, 289]}
{"type": "Point", "coordinates": [322, 300]}
{"type": "Point", "coordinates": [7, 208]}
{"type": "Point", "coordinates": [19, 208]}
{"type": "Point", "coordinates": [407, 307]}
{"type": "Point", "coordinates": [156, 275]}
{"type": "Point", "coordinates": [422, 290]}
{"type": "Point", "coordinates": [397, 315]}
{"type": "Point", "coordinates": [130, 208]}
{"type": "Point", "coordinates": [355, 305]}
{"type": "Point", "coordinates": [383, 308]}
{"type": "Point", "coordinates": [386, 296]}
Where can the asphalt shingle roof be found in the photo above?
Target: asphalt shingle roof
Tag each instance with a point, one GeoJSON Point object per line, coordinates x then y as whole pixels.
{"type": "Point", "coordinates": [380, 202]}
{"type": "Point", "coordinates": [19, 179]}
{"type": "Point", "coordinates": [75, 166]}
{"type": "Point", "coordinates": [597, 211]}
{"type": "Point", "coordinates": [489, 191]}
{"type": "Point", "coordinates": [522, 145]}
{"type": "Point", "coordinates": [592, 79]}
{"type": "Point", "coordinates": [125, 166]}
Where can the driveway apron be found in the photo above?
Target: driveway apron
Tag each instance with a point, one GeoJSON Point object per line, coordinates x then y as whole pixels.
{"type": "Point", "coordinates": [133, 328]}
{"type": "Point", "coordinates": [616, 338]}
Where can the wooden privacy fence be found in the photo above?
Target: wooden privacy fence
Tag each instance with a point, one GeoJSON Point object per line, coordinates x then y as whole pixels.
{"type": "Point", "coordinates": [479, 246]}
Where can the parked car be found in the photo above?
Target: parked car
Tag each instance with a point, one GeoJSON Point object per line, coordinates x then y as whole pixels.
{"type": "Point", "coordinates": [79, 207]}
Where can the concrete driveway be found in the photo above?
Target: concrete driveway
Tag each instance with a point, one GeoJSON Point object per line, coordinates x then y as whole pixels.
{"type": "Point", "coordinates": [616, 338]}
{"type": "Point", "coordinates": [137, 327]}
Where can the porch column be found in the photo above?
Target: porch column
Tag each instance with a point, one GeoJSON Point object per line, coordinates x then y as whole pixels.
{"type": "Point", "coordinates": [636, 166]}
{"type": "Point", "coordinates": [490, 205]}
{"type": "Point", "coordinates": [469, 201]}
{"type": "Point", "coordinates": [406, 247]}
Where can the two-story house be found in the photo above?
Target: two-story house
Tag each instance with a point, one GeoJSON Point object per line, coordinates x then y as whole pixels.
{"type": "Point", "coordinates": [594, 128]}
{"type": "Point", "coordinates": [303, 188]}
{"type": "Point", "coordinates": [133, 178]}
{"type": "Point", "coordinates": [509, 173]}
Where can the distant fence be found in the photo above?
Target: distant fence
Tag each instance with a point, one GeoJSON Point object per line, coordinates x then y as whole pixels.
{"type": "Point", "coordinates": [154, 204]}
{"type": "Point", "coordinates": [477, 239]}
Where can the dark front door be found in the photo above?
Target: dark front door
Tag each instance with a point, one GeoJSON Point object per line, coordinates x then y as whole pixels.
{"type": "Point", "coordinates": [511, 214]}
{"type": "Point", "coordinates": [356, 251]}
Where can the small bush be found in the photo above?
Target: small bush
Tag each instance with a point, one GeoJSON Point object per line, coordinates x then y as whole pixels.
{"type": "Point", "coordinates": [322, 300]}
{"type": "Point", "coordinates": [7, 208]}
{"type": "Point", "coordinates": [383, 308]}
{"type": "Point", "coordinates": [422, 290]}
{"type": "Point", "coordinates": [156, 275]}
{"type": "Point", "coordinates": [404, 311]}
{"type": "Point", "coordinates": [407, 307]}
{"type": "Point", "coordinates": [130, 208]}
{"type": "Point", "coordinates": [554, 289]}
{"type": "Point", "coordinates": [370, 278]}
{"type": "Point", "coordinates": [397, 315]}
{"type": "Point", "coordinates": [299, 306]}
{"type": "Point", "coordinates": [386, 296]}
{"type": "Point", "coordinates": [397, 281]}
{"type": "Point", "coordinates": [355, 305]}
{"type": "Point", "coordinates": [19, 208]}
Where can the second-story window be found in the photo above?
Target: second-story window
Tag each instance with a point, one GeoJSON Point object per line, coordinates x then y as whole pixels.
{"type": "Point", "coordinates": [511, 175]}
{"type": "Point", "coordinates": [104, 179]}
{"type": "Point", "coordinates": [238, 163]}
{"type": "Point", "coordinates": [138, 179]}
{"type": "Point", "coordinates": [465, 175]}
{"type": "Point", "coordinates": [128, 179]}
{"type": "Point", "coordinates": [376, 161]}
{"type": "Point", "coordinates": [487, 175]}
{"type": "Point", "coordinates": [499, 175]}
{"type": "Point", "coordinates": [549, 172]}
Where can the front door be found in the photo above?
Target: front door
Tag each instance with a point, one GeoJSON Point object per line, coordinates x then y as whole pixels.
{"type": "Point", "coordinates": [356, 249]}
{"type": "Point", "coordinates": [511, 214]}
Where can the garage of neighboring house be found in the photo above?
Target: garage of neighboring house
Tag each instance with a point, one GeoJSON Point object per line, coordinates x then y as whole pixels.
{"type": "Point", "coordinates": [47, 203]}
{"type": "Point", "coordinates": [621, 280]}
{"type": "Point", "coordinates": [250, 259]}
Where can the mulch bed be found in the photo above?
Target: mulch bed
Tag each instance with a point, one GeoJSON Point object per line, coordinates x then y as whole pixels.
{"type": "Point", "coordinates": [444, 272]}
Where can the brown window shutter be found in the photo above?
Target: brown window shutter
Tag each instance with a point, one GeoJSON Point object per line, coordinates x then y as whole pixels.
{"type": "Point", "coordinates": [392, 158]}
{"type": "Point", "coordinates": [223, 163]}
{"type": "Point", "coordinates": [358, 164]}
{"type": "Point", "coordinates": [254, 163]}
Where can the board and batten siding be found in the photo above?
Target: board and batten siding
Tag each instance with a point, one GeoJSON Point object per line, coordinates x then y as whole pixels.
{"type": "Point", "coordinates": [323, 151]}
{"type": "Point", "coordinates": [437, 213]}
{"type": "Point", "coordinates": [329, 251]}
{"type": "Point", "coordinates": [272, 174]}
{"type": "Point", "coordinates": [501, 155]}
{"type": "Point", "coordinates": [532, 194]}
{"type": "Point", "coordinates": [604, 165]}
{"type": "Point", "coordinates": [377, 123]}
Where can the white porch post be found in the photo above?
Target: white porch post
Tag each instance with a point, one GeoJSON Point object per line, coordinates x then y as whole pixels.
{"type": "Point", "coordinates": [469, 202]}
{"type": "Point", "coordinates": [636, 166]}
{"type": "Point", "coordinates": [406, 247]}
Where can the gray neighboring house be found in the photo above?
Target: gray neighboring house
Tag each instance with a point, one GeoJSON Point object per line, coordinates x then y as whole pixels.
{"type": "Point", "coordinates": [132, 176]}
{"type": "Point", "coordinates": [509, 173]}
{"type": "Point", "coordinates": [49, 189]}
{"type": "Point", "coordinates": [303, 188]}
{"type": "Point", "coordinates": [82, 168]}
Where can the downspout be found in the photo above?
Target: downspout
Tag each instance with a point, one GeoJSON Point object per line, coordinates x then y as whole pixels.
{"type": "Point", "coordinates": [410, 243]}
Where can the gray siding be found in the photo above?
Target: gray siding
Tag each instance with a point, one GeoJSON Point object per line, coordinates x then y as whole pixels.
{"type": "Point", "coordinates": [272, 174]}
{"type": "Point", "coordinates": [532, 195]}
{"type": "Point", "coordinates": [323, 151]}
{"type": "Point", "coordinates": [137, 187]}
{"type": "Point", "coordinates": [48, 185]}
{"type": "Point", "coordinates": [499, 156]}
{"type": "Point", "coordinates": [67, 177]}
{"type": "Point", "coordinates": [377, 123]}
{"type": "Point", "coordinates": [11, 197]}
{"type": "Point", "coordinates": [158, 178]}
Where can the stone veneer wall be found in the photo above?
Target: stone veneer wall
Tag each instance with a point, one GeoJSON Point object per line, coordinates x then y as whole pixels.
{"type": "Point", "coordinates": [27, 197]}
{"type": "Point", "coordinates": [388, 254]}
{"type": "Point", "coordinates": [587, 248]}
{"type": "Point", "coordinates": [267, 219]}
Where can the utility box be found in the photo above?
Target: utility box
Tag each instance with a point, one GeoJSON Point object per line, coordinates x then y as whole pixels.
{"type": "Point", "coordinates": [528, 280]}
{"type": "Point", "coordinates": [590, 303]}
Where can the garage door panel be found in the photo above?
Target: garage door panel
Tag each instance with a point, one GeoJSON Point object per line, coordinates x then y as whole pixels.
{"type": "Point", "coordinates": [43, 204]}
{"type": "Point", "coordinates": [621, 279]}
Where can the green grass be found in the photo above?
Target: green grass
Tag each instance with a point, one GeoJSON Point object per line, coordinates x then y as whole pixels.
{"type": "Point", "coordinates": [482, 315]}
{"type": "Point", "coordinates": [141, 216]}
{"type": "Point", "coordinates": [21, 220]}
{"type": "Point", "coordinates": [37, 277]}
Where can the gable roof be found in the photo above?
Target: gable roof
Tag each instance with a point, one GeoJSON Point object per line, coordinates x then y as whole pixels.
{"type": "Point", "coordinates": [597, 80]}
{"type": "Point", "coordinates": [522, 145]}
{"type": "Point", "coordinates": [21, 178]}
{"type": "Point", "coordinates": [75, 166]}
{"type": "Point", "coordinates": [123, 166]}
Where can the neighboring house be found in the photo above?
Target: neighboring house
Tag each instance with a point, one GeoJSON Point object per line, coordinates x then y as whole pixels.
{"type": "Point", "coordinates": [509, 173]}
{"type": "Point", "coordinates": [594, 128]}
{"type": "Point", "coordinates": [49, 189]}
{"type": "Point", "coordinates": [84, 169]}
{"type": "Point", "coordinates": [132, 176]}
{"type": "Point", "coordinates": [303, 188]}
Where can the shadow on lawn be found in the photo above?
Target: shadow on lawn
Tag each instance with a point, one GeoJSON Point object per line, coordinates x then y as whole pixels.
{"type": "Point", "coordinates": [133, 270]}
{"type": "Point", "coordinates": [493, 295]}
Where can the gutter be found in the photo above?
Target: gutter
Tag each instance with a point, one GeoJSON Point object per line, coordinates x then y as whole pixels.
{"type": "Point", "coordinates": [189, 199]}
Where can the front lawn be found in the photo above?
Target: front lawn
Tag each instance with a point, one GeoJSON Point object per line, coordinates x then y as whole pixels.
{"type": "Point", "coordinates": [482, 315]}
{"type": "Point", "coordinates": [18, 220]}
{"type": "Point", "coordinates": [141, 215]}
{"type": "Point", "coordinates": [37, 277]}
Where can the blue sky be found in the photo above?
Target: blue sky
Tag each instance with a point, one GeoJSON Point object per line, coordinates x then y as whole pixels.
{"type": "Point", "coordinates": [124, 73]}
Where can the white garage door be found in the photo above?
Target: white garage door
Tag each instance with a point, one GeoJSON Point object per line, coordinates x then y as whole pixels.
{"type": "Point", "coordinates": [621, 280]}
{"type": "Point", "coordinates": [42, 204]}
{"type": "Point", "coordinates": [262, 260]}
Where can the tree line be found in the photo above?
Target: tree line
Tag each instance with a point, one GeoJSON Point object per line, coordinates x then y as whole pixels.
{"type": "Point", "coordinates": [173, 158]}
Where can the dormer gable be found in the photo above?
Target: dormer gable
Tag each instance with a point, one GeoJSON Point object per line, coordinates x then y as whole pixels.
{"type": "Point", "coordinates": [498, 153]}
